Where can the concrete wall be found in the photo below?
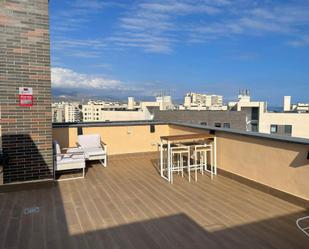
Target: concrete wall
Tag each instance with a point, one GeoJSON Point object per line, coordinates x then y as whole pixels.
{"type": "Point", "coordinates": [66, 137]}
{"type": "Point", "coordinates": [119, 139]}
{"type": "Point", "coordinates": [299, 122]}
{"type": "Point", "coordinates": [281, 165]}
{"type": "Point", "coordinates": [25, 62]}
{"type": "Point", "coordinates": [237, 120]}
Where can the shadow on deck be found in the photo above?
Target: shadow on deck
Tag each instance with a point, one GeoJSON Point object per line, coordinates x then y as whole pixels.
{"type": "Point", "coordinates": [127, 205]}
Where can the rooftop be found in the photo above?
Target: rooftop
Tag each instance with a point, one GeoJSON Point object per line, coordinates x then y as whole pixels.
{"type": "Point", "coordinates": [128, 205]}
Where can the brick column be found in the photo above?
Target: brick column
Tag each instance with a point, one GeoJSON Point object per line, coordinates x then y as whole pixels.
{"type": "Point", "coordinates": [25, 62]}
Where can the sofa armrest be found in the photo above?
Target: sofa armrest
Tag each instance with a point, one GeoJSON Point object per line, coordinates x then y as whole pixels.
{"type": "Point", "coordinates": [104, 145]}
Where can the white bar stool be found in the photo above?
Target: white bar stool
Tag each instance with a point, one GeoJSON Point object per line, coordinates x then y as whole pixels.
{"type": "Point", "coordinates": [178, 165]}
{"type": "Point", "coordinates": [200, 159]}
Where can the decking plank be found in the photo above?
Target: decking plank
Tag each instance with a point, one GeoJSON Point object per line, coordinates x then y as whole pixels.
{"type": "Point", "coordinates": [128, 205]}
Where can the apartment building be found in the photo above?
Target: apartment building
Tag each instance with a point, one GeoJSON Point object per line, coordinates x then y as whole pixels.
{"type": "Point", "coordinates": [293, 121]}
{"type": "Point", "coordinates": [299, 107]}
{"type": "Point", "coordinates": [200, 101]}
{"type": "Point", "coordinates": [253, 109]}
{"type": "Point", "coordinates": [162, 102]}
{"type": "Point", "coordinates": [95, 111]}
{"type": "Point", "coordinates": [245, 114]}
{"type": "Point", "coordinates": [66, 112]}
{"type": "Point", "coordinates": [131, 111]}
{"type": "Point", "coordinates": [57, 113]}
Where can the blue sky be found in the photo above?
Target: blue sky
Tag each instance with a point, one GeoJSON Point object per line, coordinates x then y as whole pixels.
{"type": "Point", "coordinates": [140, 48]}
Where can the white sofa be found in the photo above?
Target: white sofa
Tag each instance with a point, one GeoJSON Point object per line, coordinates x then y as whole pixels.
{"type": "Point", "coordinates": [68, 161]}
{"type": "Point", "coordinates": [93, 148]}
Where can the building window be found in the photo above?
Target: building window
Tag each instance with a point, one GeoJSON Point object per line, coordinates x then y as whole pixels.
{"type": "Point", "coordinates": [203, 123]}
{"type": "Point", "coordinates": [273, 129]}
{"type": "Point", "coordinates": [254, 128]}
{"type": "Point", "coordinates": [217, 124]}
{"type": "Point", "coordinates": [255, 113]}
{"type": "Point", "coordinates": [226, 125]}
{"type": "Point", "coordinates": [288, 130]}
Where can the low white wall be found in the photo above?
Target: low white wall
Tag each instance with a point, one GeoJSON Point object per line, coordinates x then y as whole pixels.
{"type": "Point", "coordinates": [123, 116]}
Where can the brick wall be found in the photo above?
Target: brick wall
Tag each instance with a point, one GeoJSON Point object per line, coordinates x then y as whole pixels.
{"type": "Point", "coordinates": [25, 62]}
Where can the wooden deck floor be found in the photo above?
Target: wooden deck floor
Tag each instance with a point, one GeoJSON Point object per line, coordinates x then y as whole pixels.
{"type": "Point", "coordinates": [128, 205]}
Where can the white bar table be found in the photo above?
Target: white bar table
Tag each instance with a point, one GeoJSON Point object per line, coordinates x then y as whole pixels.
{"type": "Point", "coordinates": [168, 141]}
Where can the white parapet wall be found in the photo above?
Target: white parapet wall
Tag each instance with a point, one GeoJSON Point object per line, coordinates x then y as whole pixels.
{"type": "Point", "coordinates": [122, 116]}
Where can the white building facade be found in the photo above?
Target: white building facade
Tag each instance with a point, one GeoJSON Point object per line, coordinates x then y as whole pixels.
{"type": "Point", "coordinates": [66, 112]}
{"type": "Point", "coordinates": [200, 101]}
{"type": "Point", "coordinates": [96, 111]}
{"type": "Point", "coordinates": [293, 121]}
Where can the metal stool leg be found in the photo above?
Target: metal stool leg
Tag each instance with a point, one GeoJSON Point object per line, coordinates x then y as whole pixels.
{"type": "Point", "coordinates": [212, 162]}
{"type": "Point", "coordinates": [172, 168]}
{"type": "Point", "coordinates": [189, 168]}
{"type": "Point", "coordinates": [181, 164]}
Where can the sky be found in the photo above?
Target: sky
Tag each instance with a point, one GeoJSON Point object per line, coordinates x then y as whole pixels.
{"type": "Point", "coordinates": [144, 47]}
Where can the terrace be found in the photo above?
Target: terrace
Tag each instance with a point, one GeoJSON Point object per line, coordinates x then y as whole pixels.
{"type": "Point", "coordinates": [253, 202]}
{"type": "Point", "coordinates": [260, 190]}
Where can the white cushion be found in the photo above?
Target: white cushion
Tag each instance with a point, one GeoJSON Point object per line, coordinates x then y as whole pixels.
{"type": "Point", "coordinates": [75, 150]}
{"type": "Point", "coordinates": [70, 163]}
{"type": "Point", "coordinates": [94, 152]}
{"type": "Point", "coordinates": [65, 160]}
{"type": "Point", "coordinates": [92, 141]}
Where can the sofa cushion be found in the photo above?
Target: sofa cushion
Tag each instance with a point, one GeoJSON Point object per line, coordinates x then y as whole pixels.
{"type": "Point", "coordinates": [93, 152]}
{"type": "Point", "coordinates": [89, 141]}
{"type": "Point", "coordinates": [70, 163]}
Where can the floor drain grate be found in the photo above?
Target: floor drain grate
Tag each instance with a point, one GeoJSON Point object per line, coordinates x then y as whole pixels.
{"type": "Point", "coordinates": [31, 210]}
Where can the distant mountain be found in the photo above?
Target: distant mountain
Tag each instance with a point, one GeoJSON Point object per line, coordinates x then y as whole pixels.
{"type": "Point", "coordinates": [59, 95]}
{"type": "Point", "coordinates": [275, 109]}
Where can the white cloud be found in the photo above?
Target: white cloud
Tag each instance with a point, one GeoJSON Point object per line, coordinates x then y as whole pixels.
{"type": "Point", "coordinates": [300, 42]}
{"type": "Point", "coordinates": [78, 43]}
{"type": "Point", "coordinates": [157, 26]}
{"type": "Point", "coordinates": [67, 78]}
{"type": "Point", "coordinates": [77, 14]}
{"type": "Point", "coordinates": [162, 24]}
{"type": "Point", "coordinates": [179, 7]}
{"type": "Point", "coordinates": [87, 48]}
{"type": "Point", "coordinates": [153, 25]}
{"type": "Point", "coordinates": [150, 43]}
{"type": "Point", "coordinates": [64, 78]}
{"type": "Point", "coordinates": [284, 20]}
{"type": "Point", "coordinates": [90, 4]}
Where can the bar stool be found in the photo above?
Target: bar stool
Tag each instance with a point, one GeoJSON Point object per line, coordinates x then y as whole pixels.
{"type": "Point", "coordinates": [180, 153]}
{"type": "Point", "coordinates": [200, 158]}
